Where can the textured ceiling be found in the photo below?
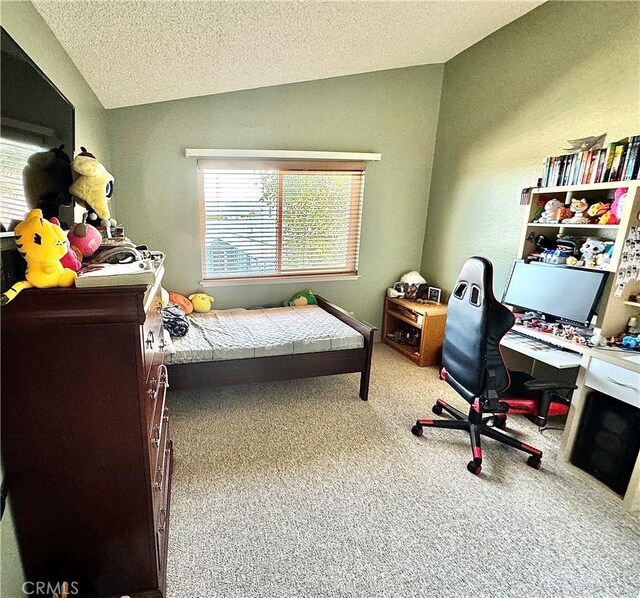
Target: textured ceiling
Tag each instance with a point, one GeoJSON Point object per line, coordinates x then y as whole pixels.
{"type": "Point", "coordinates": [140, 51]}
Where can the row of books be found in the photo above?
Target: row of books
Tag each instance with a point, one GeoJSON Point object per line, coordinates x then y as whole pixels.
{"type": "Point", "coordinates": [619, 161]}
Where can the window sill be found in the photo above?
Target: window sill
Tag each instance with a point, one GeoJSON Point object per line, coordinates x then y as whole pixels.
{"type": "Point", "coordinates": [283, 280]}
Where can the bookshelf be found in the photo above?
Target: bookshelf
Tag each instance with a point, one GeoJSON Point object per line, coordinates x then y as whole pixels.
{"type": "Point", "coordinates": [614, 311]}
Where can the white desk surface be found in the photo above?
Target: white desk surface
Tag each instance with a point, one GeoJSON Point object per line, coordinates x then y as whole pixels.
{"type": "Point", "coordinates": [558, 358]}
{"type": "Point", "coordinates": [571, 358]}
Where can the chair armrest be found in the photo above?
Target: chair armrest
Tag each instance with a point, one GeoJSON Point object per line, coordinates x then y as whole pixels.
{"type": "Point", "coordinates": [549, 385]}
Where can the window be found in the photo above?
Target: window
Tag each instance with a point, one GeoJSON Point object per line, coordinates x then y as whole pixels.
{"type": "Point", "coordinates": [13, 158]}
{"type": "Point", "coordinates": [280, 219]}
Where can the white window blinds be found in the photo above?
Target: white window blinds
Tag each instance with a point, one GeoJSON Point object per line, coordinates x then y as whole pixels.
{"type": "Point", "coordinates": [13, 158]}
{"type": "Point", "coordinates": [279, 219]}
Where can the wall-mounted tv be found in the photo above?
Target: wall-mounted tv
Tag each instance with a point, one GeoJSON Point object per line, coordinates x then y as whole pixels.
{"type": "Point", "coordinates": [35, 116]}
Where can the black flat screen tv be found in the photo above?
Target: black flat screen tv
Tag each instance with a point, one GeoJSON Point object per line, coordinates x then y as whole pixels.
{"type": "Point", "coordinates": [556, 292]}
{"type": "Point", "coordinates": [35, 116]}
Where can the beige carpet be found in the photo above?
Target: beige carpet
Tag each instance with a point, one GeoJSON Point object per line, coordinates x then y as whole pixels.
{"type": "Point", "coordinates": [301, 489]}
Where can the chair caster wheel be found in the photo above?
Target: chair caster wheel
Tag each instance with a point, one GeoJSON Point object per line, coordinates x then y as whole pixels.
{"type": "Point", "coordinates": [534, 462]}
{"type": "Point", "coordinates": [497, 422]}
{"type": "Point", "coordinates": [437, 409]}
{"type": "Point", "coordinates": [417, 430]}
{"type": "Point", "coordinates": [474, 468]}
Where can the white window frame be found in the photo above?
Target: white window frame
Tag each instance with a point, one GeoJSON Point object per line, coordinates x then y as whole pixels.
{"type": "Point", "coordinates": [276, 156]}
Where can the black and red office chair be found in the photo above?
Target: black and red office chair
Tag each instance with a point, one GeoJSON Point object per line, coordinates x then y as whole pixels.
{"type": "Point", "coordinates": [473, 366]}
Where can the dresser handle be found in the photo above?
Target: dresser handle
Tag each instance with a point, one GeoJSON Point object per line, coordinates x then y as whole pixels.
{"type": "Point", "coordinates": [158, 482]}
{"type": "Point", "coordinates": [631, 386]}
{"type": "Point", "coordinates": [164, 375]}
{"type": "Point", "coordinates": [150, 339]}
{"type": "Point", "coordinates": [152, 393]}
{"type": "Point", "coordinates": [162, 345]}
{"type": "Point", "coordinates": [165, 415]}
{"type": "Point", "coordinates": [163, 520]}
{"type": "Point", "coordinates": [155, 440]}
{"type": "Point", "coordinates": [159, 307]}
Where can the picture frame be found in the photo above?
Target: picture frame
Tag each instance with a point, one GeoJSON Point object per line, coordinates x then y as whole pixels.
{"type": "Point", "coordinates": [433, 294]}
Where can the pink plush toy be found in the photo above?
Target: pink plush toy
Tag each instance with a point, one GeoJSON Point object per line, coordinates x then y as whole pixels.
{"type": "Point", "coordinates": [617, 206]}
{"type": "Point", "coordinates": [84, 239]}
{"type": "Point", "coordinates": [69, 259]}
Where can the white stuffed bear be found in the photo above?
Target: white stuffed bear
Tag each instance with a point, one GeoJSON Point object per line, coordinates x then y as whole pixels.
{"type": "Point", "coordinates": [550, 209]}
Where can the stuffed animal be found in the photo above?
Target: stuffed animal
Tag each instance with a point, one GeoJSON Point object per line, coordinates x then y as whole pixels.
{"type": "Point", "coordinates": [70, 259]}
{"type": "Point", "coordinates": [591, 248]}
{"type": "Point", "coordinates": [93, 187]}
{"type": "Point", "coordinates": [84, 240]}
{"type": "Point", "coordinates": [549, 210]}
{"type": "Point", "coordinates": [578, 207]}
{"type": "Point", "coordinates": [202, 303]}
{"type": "Point", "coordinates": [42, 244]}
{"type": "Point", "coordinates": [301, 298]}
{"type": "Point", "coordinates": [560, 214]}
{"type": "Point", "coordinates": [182, 301]}
{"type": "Point", "coordinates": [46, 180]}
{"type": "Point", "coordinates": [413, 277]}
{"type": "Point", "coordinates": [542, 200]}
{"type": "Point", "coordinates": [164, 297]}
{"type": "Point", "coordinates": [617, 207]}
{"type": "Point", "coordinates": [600, 211]}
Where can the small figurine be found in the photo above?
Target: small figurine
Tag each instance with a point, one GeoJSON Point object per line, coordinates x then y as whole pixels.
{"type": "Point", "coordinates": [578, 207]}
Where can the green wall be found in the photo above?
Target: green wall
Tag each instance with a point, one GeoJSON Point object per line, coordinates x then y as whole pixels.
{"type": "Point", "coordinates": [24, 24]}
{"type": "Point", "coordinates": [393, 112]}
{"type": "Point", "coordinates": [563, 71]}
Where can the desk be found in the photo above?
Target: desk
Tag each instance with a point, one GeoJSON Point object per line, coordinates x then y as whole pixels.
{"type": "Point", "coordinates": [609, 371]}
{"type": "Point", "coordinates": [558, 358]}
{"type": "Point", "coordinates": [615, 373]}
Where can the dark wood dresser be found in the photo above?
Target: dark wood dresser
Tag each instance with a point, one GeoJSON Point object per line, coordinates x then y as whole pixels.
{"type": "Point", "coordinates": [85, 437]}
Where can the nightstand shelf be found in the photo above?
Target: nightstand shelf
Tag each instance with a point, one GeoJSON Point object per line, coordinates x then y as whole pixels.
{"type": "Point", "coordinates": [429, 323]}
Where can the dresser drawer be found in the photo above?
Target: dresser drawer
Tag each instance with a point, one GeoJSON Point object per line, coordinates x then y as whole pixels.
{"type": "Point", "coordinates": [155, 393]}
{"type": "Point", "coordinates": [152, 337]}
{"type": "Point", "coordinates": [615, 381]}
{"type": "Point", "coordinates": [159, 417]}
{"type": "Point", "coordinates": [162, 520]}
{"type": "Point", "coordinates": [159, 477]}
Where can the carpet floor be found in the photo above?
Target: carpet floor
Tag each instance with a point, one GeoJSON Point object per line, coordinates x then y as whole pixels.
{"type": "Point", "coordinates": [300, 489]}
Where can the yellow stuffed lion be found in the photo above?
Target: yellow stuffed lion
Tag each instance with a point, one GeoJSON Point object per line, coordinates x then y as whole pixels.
{"type": "Point", "coordinates": [42, 244]}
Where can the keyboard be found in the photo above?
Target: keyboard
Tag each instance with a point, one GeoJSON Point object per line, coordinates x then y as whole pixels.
{"type": "Point", "coordinates": [543, 343]}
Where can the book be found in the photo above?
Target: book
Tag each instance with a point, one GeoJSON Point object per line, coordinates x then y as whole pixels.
{"type": "Point", "coordinates": [107, 275]}
{"type": "Point", "coordinates": [600, 169]}
{"type": "Point", "coordinates": [632, 157]}
{"type": "Point", "coordinates": [588, 166]}
{"type": "Point", "coordinates": [608, 162]}
{"type": "Point", "coordinates": [618, 157]}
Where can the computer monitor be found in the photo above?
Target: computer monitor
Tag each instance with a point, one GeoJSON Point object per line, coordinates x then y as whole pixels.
{"type": "Point", "coordinates": [556, 292]}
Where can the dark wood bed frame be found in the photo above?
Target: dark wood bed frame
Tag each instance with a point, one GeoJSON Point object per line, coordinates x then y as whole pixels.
{"type": "Point", "coordinates": [285, 367]}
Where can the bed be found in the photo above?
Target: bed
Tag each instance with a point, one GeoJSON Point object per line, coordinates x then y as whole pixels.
{"type": "Point", "coordinates": [241, 346]}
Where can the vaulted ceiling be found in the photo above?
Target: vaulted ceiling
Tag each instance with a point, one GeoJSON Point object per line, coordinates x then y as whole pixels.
{"type": "Point", "coordinates": [141, 51]}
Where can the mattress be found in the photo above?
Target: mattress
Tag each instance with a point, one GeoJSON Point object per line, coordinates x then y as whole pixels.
{"type": "Point", "coordinates": [243, 334]}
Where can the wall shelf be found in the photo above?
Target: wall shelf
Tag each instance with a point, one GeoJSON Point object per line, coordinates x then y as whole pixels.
{"type": "Point", "coordinates": [588, 187]}
{"type": "Point", "coordinates": [591, 226]}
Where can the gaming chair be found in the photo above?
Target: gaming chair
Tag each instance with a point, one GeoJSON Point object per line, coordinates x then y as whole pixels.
{"type": "Point", "coordinates": [473, 366]}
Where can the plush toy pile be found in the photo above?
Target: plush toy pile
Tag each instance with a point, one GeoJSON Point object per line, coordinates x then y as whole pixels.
{"type": "Point", "coordinates": [581, 210]}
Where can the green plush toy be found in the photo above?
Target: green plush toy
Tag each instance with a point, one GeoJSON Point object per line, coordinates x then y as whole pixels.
{"type": "Point", "coordinates": [301, 298]}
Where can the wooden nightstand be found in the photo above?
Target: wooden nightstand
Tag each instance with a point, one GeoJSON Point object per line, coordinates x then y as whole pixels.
{"type": "Point", "coordinates": [428, 319]}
